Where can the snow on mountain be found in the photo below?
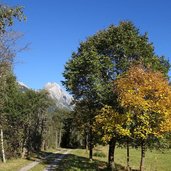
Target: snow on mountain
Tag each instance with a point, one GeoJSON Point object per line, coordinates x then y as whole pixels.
{"type": "Point", "coordinates": [22, 84]}
{"type": "Point", "coordinates": [23, 87]}
{"type": "Point", "coordinates": [62, 98]}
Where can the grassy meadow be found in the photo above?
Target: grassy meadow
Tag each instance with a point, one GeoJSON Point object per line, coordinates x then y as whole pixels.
{"type": "Point", "coordinates": [77, 160]}
{"type": "Point", "coordinates": [14, 164]}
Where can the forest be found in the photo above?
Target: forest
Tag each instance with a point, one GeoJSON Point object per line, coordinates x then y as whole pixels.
{"type": "Point", "coordinates": [120, 89]}
{"type": "Point", "coordinates": [29, 119]}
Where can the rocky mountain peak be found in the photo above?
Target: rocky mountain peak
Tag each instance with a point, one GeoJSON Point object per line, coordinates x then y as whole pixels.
{"type": "Point", "coordinates": [62, 98]}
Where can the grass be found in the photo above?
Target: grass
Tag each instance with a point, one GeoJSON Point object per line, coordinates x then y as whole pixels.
{"type": "Point", "coordinates": [77, 160]}
{"type": "Point", "coordinates": [13, 165]}
{"type": "Point", "coordinates": [38, 167]}
{"type": "Point", "coordinates": [154, 160]}
{"type": "Point", "coordinates": [16, 164]}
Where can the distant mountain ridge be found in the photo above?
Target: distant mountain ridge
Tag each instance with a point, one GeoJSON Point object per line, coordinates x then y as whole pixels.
{"type": "Point", "coordinates": [22, 86]}
{"type": "Point", "coordinates": [61, 97]}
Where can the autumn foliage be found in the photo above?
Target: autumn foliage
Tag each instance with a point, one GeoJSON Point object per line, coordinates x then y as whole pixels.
{"type": "Point", "coordinates": [143, 111]}
{"type": "Point", "coordinates": [110, 123]}
{"type": "Point", "coordinates": [147, 96]}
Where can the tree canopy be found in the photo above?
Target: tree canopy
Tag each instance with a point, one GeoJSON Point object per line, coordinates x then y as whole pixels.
{"type": "Point", "coordinates": [145, 96]}
{"type": "Point", "coordinates": [99, 60]}
{"type": "Point", "coordinates": [8, 14]}
{"type": "Point", "coordinates": [105, 55]}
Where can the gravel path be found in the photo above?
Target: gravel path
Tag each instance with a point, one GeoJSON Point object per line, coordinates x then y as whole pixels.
{"type": "Point", "coordinates": [56, 158]}
{"type": "Point", "coordinates": [56, 161]}
{"type": "Point", "coordinates": [29, 166]}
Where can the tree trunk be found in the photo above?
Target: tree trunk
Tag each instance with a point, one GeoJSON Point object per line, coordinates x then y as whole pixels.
{"type": "Point", "coordinates": [86, 143]}
{"type": "Point", "coordinates": [24, 153]}
{"type": "Point", "coordinates": [128, 166]}
{"type": "Point", "coordinates": [57, 144]}
{"type": "Point", "coordinates": [91, 152]}
{"type": "Point", "coordinates": [142, 156]}
{"type": "Point", "coordinates": [90, 145]}
{"type": "Point", "coordinates": [23, 147]}
{"type": "Point", "coordinates": [111, 161]}
{"type": "Point", "coordinates": [2, 147]}
{"type": "Point", "coordinates": [85, 146]}
{"type": "Point", "coordinates": [43, 145]}
{"type": "Point", "coordinates": [60, 137]}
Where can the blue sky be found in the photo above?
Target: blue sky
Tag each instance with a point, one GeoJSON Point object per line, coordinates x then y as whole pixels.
{"type": "Point", "coordinates": [56, 27]}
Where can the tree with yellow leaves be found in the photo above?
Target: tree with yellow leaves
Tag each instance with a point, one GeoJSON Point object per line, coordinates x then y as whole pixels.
{"type": "Point", "coordinates": [111, 125]}
{"type": "Point", "coordinates": [146, 95]}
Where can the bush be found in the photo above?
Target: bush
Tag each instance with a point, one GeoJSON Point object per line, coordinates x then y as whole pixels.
{"type": "Point", "coordinates": [99, 154]}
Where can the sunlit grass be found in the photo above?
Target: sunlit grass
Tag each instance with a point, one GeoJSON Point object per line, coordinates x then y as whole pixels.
{"type": "Point", "coordinates": [13, 165]}
{"type": "Point", "coordinates": [16, 164]}
{"type": "Point", "coordinates": [38, 167]}
{"type": "Point", "coordinates": [77, 160]}
{"type": "Point", "coordinates": [154, 160]}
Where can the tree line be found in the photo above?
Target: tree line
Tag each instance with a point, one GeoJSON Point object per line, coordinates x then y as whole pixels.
{"type": "Point", "coordinates": [29, 119]}
{"type": "Point", "coordinates": [121, 91]}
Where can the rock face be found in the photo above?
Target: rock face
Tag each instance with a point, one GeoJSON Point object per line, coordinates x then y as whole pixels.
{"type": "Point", "coordinates": [22, 86]}
{"type": "Point", "coordinates": [62, 98]}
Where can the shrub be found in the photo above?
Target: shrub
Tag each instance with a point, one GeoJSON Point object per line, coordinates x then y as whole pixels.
{"type": "Point", "coordinates": [99, 154]}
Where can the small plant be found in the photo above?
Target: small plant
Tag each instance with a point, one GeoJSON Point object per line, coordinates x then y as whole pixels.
{"type": "Point", "coordinates": [99, 154]}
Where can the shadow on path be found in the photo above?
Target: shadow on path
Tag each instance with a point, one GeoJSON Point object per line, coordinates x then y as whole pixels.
{"type": "Point", "coordinates": [71, 162]}
{"type": "Point", "coordinates": [42, 156]}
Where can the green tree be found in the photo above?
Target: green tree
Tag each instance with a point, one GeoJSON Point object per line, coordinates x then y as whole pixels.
{"type": "Point", "coordinates": [12, 115]}
{"type": "Point", "coordinates": [34, 110]}
{"type": "Point", "coordinates": [55, 127]}
{"type": "Point", "coordinates": [7, 15]}
{"type": "Point", "coordinates": [100, 59]}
